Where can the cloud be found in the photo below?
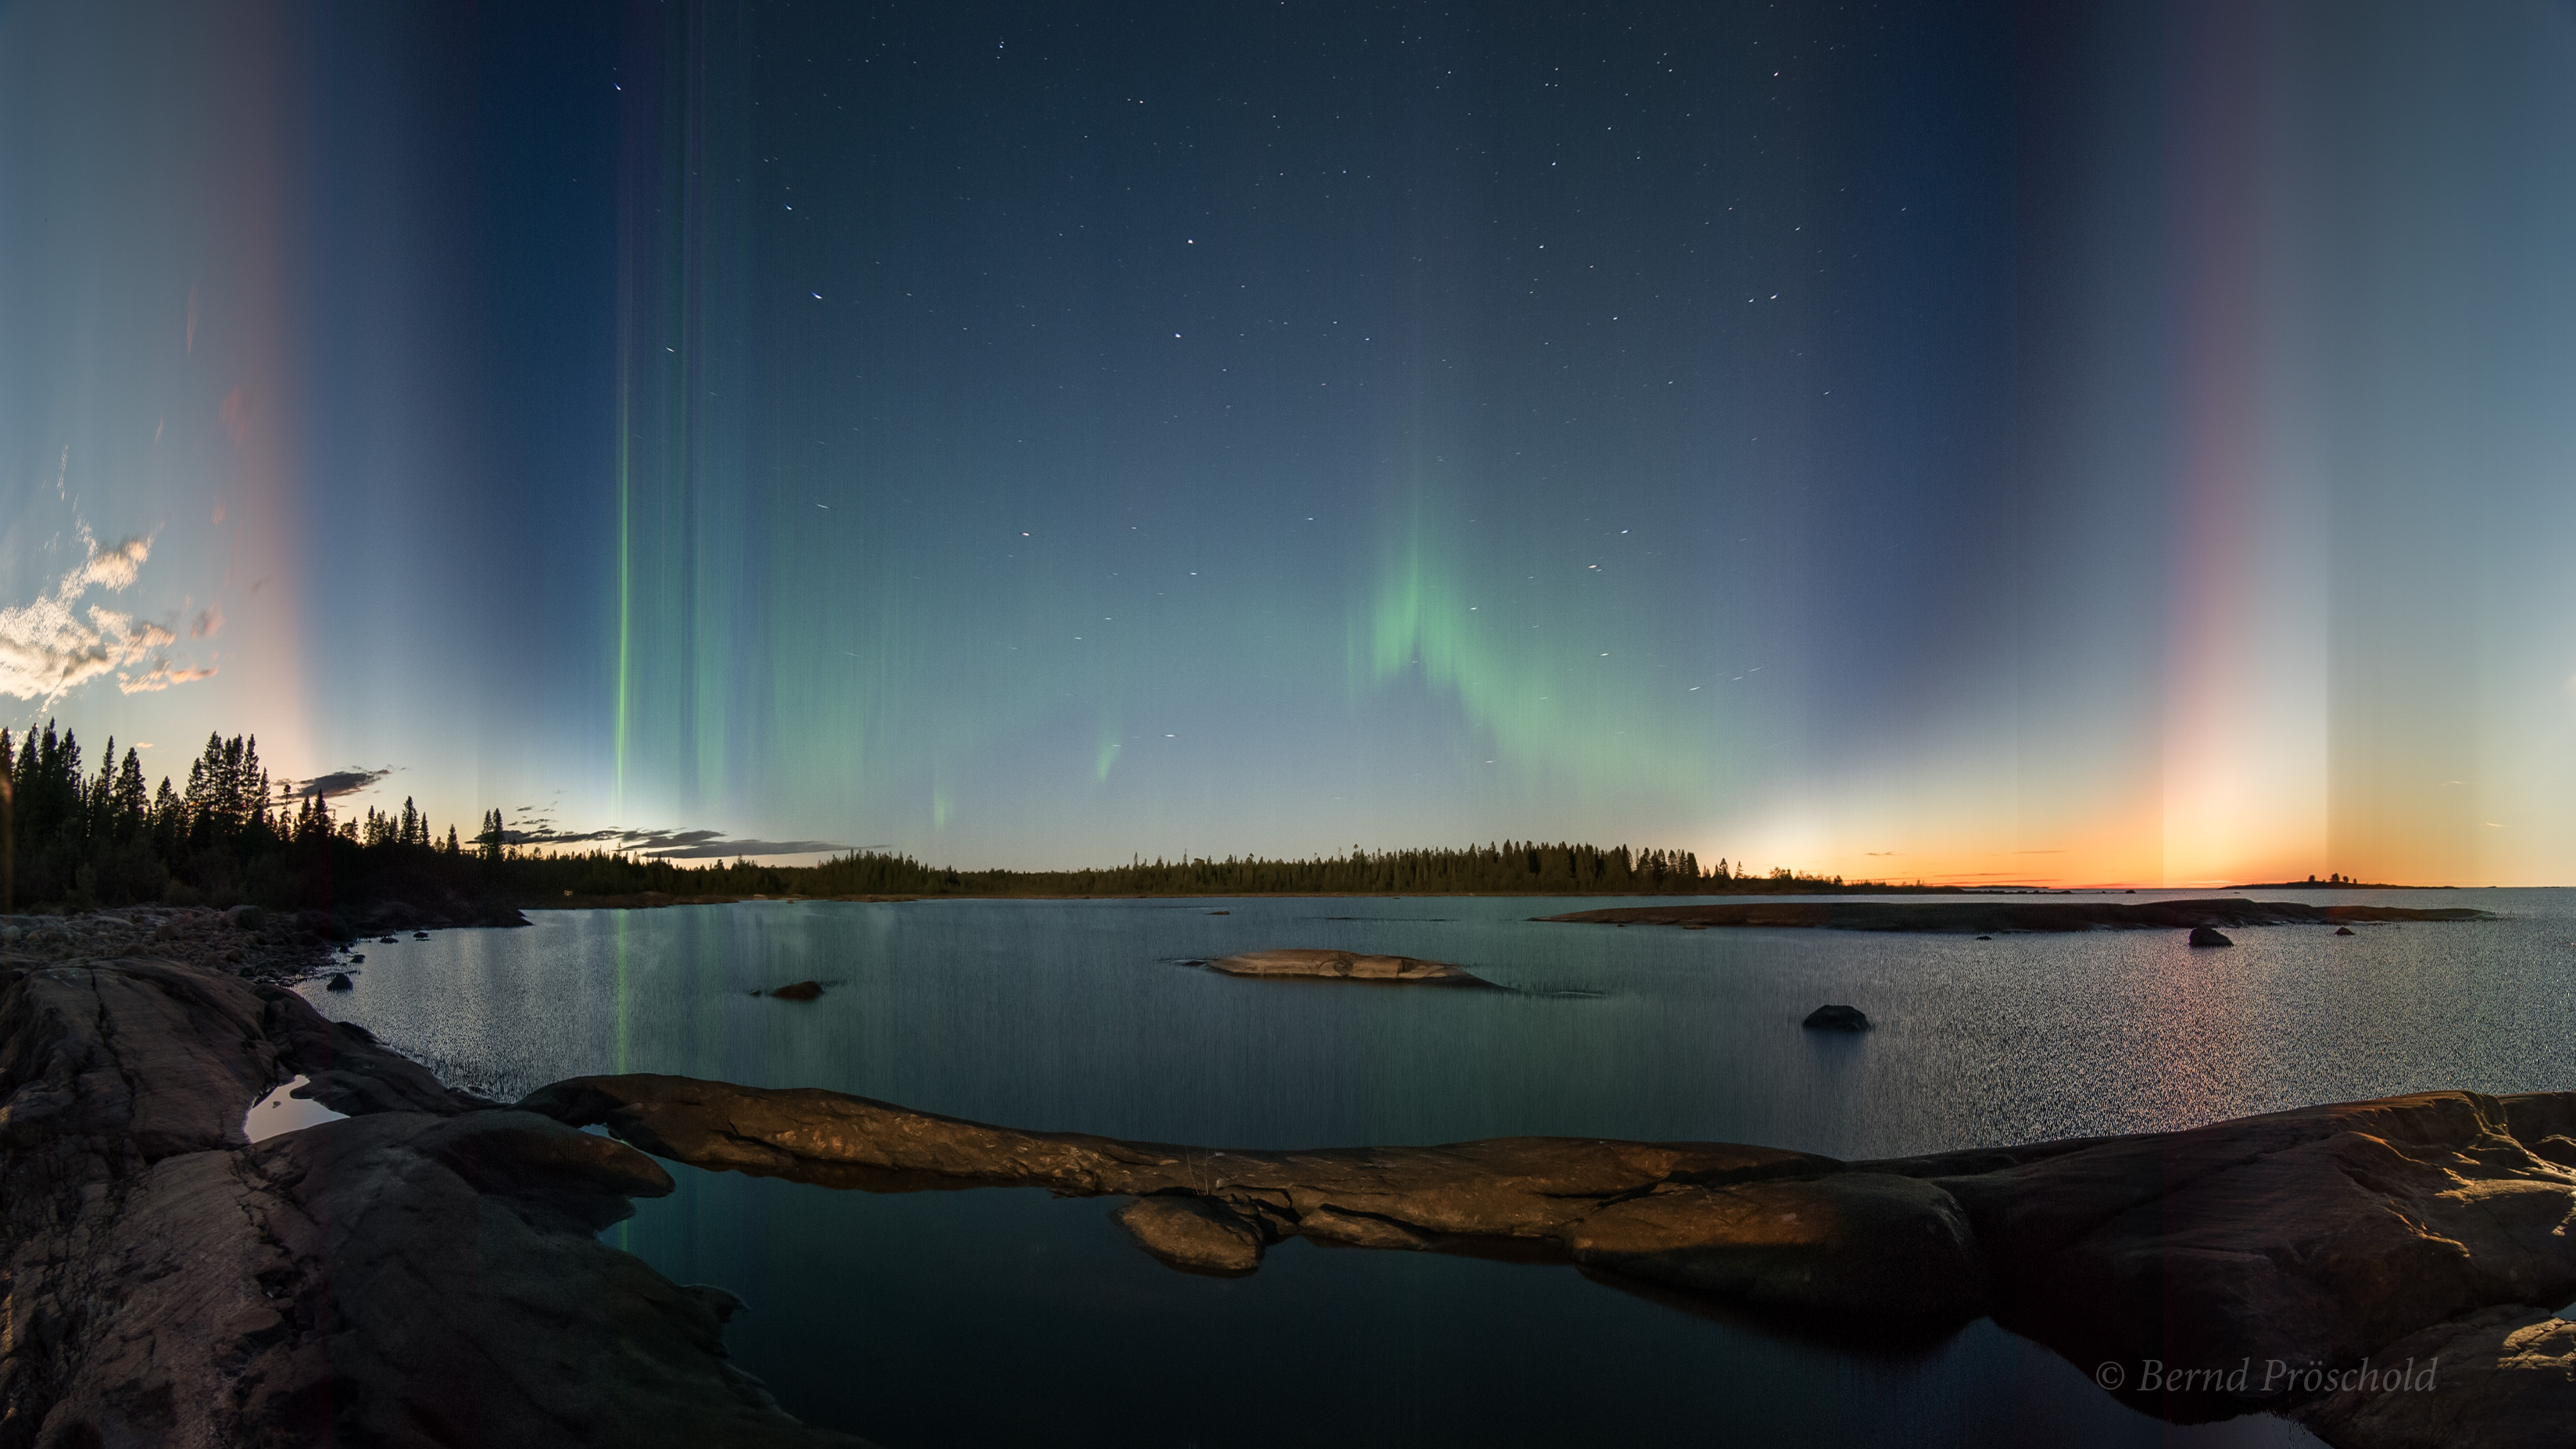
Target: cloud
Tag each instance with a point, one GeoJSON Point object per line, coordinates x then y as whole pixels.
{"type": "Point", "coordinates": [672, 844]}
{"type": "Point", "coordinates": [210, 622]}
{"type": "Point", "coordinates": [708, 845]}
{"type": "Point", "coordinates": [341, 782]}
{"type": "Point", "coordinates": [56, 644]}
{"type": "Point", "coordinates": [161, 676]}
{"type": "Point", "coordinates": [113, 568]}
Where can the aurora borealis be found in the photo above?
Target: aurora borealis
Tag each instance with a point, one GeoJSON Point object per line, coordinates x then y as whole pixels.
{"type": "Point", "coordinates": [2088, 444]}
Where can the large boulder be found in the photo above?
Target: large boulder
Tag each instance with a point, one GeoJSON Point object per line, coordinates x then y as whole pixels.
{"type": "Point", "coordinates": [2315, 1237]}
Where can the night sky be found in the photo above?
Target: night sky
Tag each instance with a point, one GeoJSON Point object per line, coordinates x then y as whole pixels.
{"type": "Point", "coordinates": [2105, 444]}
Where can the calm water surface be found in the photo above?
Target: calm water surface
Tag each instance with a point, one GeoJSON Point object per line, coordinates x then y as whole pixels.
{"type": "Point", "coordinates": [1001, 1315]}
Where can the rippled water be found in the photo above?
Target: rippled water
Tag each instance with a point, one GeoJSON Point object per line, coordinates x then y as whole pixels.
{"type": "Point", "coordinates": [1001, 1315]}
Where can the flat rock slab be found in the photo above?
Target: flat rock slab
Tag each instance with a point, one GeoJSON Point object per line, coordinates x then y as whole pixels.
{"type": "Point", "coordinates": [2325, 1236]}
{"type": "Point", "coordinates": [1345, 966]}
{"type": "Point", "coordinates": [1995, 917]}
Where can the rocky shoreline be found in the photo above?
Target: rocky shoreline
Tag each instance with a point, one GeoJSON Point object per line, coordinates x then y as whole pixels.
{"type": "Point", "coordinates": [429, 1271]}
{"type": "Point", "coordinates": [426, 1272]}
{"type": "Point", "coordinates": [273, 947]}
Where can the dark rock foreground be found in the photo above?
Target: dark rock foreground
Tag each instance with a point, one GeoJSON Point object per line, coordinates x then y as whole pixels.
{"type": "Point", "coordinates": [424, 1273]}
{"type": "Point", "coordinates": [2315, 1239]}
{"type": "Point", "coordinates": [1998, 917]}
{"type": "Point", "coordinates": [427, 1272]}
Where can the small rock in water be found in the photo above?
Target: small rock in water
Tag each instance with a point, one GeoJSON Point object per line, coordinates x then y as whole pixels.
{"type": "Point", "coordinates": [1220, 913]}
{"type": "Point", "coordinates": [1344, 966]}
{"type": "Point", "coordinates": [2209, 936]}
{"type": "Point", "coordinates": [800, 991]}
{"type": "Point", "coordinates": [1836, 1018]}
{"type": "Point", "coordinates": [420, 935]}
{"type": "Point", "coordinates": [2343, 930]}
{"type": "Point", "coordinates": [1985, 938]}
{"type": "Point", "coordinates": [1193, 1234]}
{"type": "Point", "coordinates": [339, 982]}
{"type": "Point", "coordinates": [388, 940]}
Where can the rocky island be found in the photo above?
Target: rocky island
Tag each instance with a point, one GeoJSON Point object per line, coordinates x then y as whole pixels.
{"type": "Point", "coordinates": [428, 1269]}
{"type": "Point", "coordinates": [2003, 917]}
{"type": "Point", "coordinates": [1345, 966]}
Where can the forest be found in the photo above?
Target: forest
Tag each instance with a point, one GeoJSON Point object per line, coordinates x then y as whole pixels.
{"type": "Point", "coordinates": [76, 839]}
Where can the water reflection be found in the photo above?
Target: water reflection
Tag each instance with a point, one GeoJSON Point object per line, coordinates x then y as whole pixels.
{"type": "Point", "coordinates": [999, 1315]}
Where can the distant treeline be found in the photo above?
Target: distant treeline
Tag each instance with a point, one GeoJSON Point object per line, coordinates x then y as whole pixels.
{"type": "Point", "coordinates": [79, 839]}
{"type": "Point", "coordinates": [1504, 868]}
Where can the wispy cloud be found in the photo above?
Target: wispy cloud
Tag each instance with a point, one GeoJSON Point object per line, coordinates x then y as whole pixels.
{"type": "Point", "coordinates": [59, 642]}
{"type": "Point", "coordinates": [670, 844]}
{"type": "Point", "coordinates": [161, 676]}
{"type": "Point", "coordinates": [709, 844]}
{"type": "Point", "coordinates": [209, 623]}
{"type": "Point", "coordinates": [341, 782]}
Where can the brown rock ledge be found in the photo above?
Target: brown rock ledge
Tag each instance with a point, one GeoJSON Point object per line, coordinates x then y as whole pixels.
{"type": "Point", "coordinates": [2320, 1237]}
{"type": "Point", "coordinates": [425, 1272]}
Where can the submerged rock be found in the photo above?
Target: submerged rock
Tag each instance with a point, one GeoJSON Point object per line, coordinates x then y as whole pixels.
{"type": "Point", "coordinates": [1193, 1233]}
{"type": "Point", "coordinates": [798, 991]}
{"type": "Point", "coordinates": [2209, 936]}
{"type": "Point", "coordinates": [1836, 1018]}
{"type": "Point", "coordinates": [1345, 966]}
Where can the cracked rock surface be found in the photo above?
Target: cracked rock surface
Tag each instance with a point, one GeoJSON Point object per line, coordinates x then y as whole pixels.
{"type": "Point", "coordinates": [425, 1272]}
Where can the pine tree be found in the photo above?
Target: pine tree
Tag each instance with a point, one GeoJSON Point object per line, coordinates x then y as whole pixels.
{"type": "Point", "coordinates": [130, 802]}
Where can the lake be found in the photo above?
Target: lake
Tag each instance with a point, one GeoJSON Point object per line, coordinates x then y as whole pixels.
{"type": "Point", "coordinates": [1001, 1315]}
